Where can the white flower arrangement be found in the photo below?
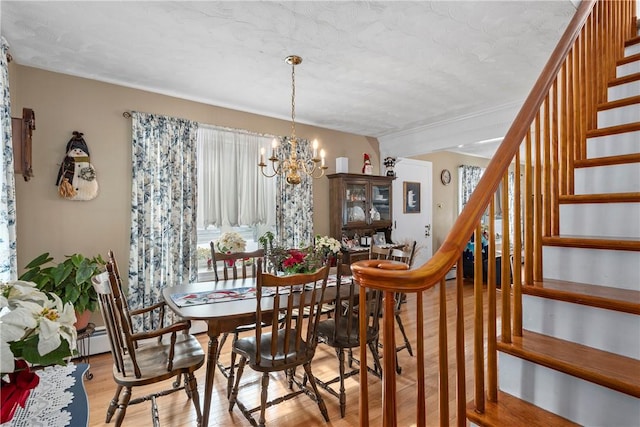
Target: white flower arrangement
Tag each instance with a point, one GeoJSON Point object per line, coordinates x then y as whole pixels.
{"type": "Point", "coordinates": [34, 327]}
{"type": "Point", "coordinates": [325, 244]}
{"type": "Point", "coordinates": [231, 242]}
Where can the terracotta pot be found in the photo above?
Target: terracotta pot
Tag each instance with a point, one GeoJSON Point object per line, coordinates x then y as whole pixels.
{"type": "Point", "coordinates": [82, 320]}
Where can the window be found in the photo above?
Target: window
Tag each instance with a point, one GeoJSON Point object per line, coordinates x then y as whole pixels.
{"type": "Point", "coordinates": [232, 193]}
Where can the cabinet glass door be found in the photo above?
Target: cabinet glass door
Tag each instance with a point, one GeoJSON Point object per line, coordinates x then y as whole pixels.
{"type": "Point", "coordinates": [380, 202]}
{"type": "Point", "coordinates": [356, 203]}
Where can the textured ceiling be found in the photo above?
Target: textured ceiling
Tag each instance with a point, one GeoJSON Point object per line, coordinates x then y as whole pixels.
{"type": "Point", "coordinates": [370, 68]}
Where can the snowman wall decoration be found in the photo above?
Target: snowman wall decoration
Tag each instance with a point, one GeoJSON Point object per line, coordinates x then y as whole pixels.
{"type": "Point", "coordinates": [77, 176]}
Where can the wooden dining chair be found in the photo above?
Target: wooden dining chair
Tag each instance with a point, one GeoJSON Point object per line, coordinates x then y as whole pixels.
{"type": "Point", "coordinates": [233, 266]}
{"type": "Point", "coordinates": [342, 332]}
{"type": "Point", "coordinates": [404, 255]}
{"type": "Point", "coordinates": [378, 252]}
{"type": "Point", "coordinates": [282, 344]}
{"type": "Point", "coordinates": [138, 358]}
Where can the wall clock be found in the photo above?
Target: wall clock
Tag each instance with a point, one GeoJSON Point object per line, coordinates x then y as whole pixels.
{"type": "Point", "coordinates": [445, 176]}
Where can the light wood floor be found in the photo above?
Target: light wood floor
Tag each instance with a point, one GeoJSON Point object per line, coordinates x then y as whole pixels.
{"type": "Point", "coordinates": [176, 410]}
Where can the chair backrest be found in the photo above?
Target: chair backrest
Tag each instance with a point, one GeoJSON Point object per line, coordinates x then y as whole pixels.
{"type": "Point", "coordinates": [347, 312]}
{"type": "Point", "coordinates": [378, 252]}
{"type": "Point", "coordinates": [117, 319]}
{"type": "Point", "coordinates": [403, 254]}
{"type": "Point", "coordinates": [229, 263]}
{"type": "Point", "coordinates": [115, 314]}
{"type": "Point", "coordinates": [287, 296]}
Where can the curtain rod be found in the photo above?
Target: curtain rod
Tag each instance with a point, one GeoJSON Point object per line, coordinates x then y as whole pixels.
{"type": "Point", "coordinates": [127, 115]}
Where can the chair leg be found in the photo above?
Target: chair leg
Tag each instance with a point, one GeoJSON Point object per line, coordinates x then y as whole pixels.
{"type": "Point", "coordinates": [113, 405]}
{"type": "Point", "coordinates": [312, 381]}
{"type": "Point", "coordinates": [232, 366]}
{"type": "Point", "coordinates": [126, 397]}
{"type": "Point", "coordinates": [404, 334]}
{"type": "Point", "coordinates": [377, 366]}
{"type": "Point", "coordinates": [234, 393]}
{"type": "Point", "coordinates": [221, 367]}
{"type": "Point", "coordinates": [343, 392]}
{"type": "Point", "coordinates": [195, 398]}
{"type": "Point", "coordinates": [263, 398]}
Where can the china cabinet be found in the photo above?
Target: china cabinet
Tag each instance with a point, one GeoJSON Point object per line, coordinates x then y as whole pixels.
{"type": "Point", "coordinates": [360, 208]}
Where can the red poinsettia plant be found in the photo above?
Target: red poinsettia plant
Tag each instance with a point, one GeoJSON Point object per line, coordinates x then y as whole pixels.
{"type": "Point", "coordinates": [301, 261]}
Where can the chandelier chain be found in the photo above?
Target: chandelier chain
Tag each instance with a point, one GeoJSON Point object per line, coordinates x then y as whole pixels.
{"type": "Point", "coordinates": [293, 101]}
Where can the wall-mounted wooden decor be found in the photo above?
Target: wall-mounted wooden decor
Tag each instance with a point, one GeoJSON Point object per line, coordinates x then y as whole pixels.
{"type": "Point", "coordinates": [22, 131]}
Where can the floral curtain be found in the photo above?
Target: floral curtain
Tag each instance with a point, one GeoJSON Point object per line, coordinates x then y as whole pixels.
{"type": "Point", "coordinates": [163, 208]}
{"type": "Point", "coordinates": [8, 255]}
{"type": "Point", "coordinates": [468, 178]}
{"type": "Point", "coordinates": [294, 203]}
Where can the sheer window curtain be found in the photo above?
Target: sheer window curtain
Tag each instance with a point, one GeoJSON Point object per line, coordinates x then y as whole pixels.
{"type": "Point", "coordinates": [232, 191]}
{"type": "Point", "coordinates": [8, 255]}
{"type": "Point", "coordinates": [163, 208]}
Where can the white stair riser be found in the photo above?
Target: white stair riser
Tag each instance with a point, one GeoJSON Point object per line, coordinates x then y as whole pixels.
{"type": "Point", "coordinates": [606, 330]}
{"type": "Point", "coordinates": [627, 69]}
{"type": "Point", "coordinates": [622, 91]}
{"type": "Point", "coordinates": [623, 178]}
{"type": "Point", "coordinates": [619, 116]}
{"type": "Point", "coordinates": [632, 50]}
{"type": "Point", "coordinates": [617, 269]}
{"type": "Point", "coordinates": [600, 219]}
{"type": "Point", "coordinates": [613, 145]}
{"type": "Point", "coordinates": [580, 401]}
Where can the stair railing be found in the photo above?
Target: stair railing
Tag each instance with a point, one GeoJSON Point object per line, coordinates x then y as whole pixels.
{"type": "Point", "coordinates": [546, 138]}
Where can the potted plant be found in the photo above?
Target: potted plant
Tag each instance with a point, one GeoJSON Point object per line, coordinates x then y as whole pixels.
{"type": "Point", "coordinates": [70, 280]}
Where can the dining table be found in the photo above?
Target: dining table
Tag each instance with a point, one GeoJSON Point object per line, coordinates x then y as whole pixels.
{"type": "Point", "coordinates": [223, 305]}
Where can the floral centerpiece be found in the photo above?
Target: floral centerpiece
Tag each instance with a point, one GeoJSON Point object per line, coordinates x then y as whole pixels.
{"type": "Point", "coordinates": [34, 328]}
{"type": "Point", "coordinates": [327, 246]}
{"type": "Point", "coordinates": [230, 242]}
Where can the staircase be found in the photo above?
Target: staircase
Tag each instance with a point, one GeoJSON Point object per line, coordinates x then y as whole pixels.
{"type": "Point", "coordinates": [579, 356]}
{"type": "Point", "coordinates": [560, 346]}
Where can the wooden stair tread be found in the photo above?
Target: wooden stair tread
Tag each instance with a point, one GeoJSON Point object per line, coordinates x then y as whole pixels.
{"type": "Point", "coordinates": [619, 102]}
{"type": "Point", "coordinates": [632, 41]}
{"type": "Point", "coordinates": [627, 59]}
{"type": "Point", "coordinates": [600, 367]}
{"type": "Point", "coordinates": [624, 79]}
{"type": "Point", "coordinates": [600, 198]}
{"type": "Point", "coordinates": [594, 242]}
{"type": "Point", "coordinates": [607, 161]}
{"type": "Point", "coordinates": [624, 300]}
{"type": "Point", "coordinates": [511, 411]}
{"type": "Point", "coordinates": [613, 130]}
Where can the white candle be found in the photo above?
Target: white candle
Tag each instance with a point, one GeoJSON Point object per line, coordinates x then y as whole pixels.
{"type": "Point", "coordinates": [274, 145]}
{"type": "Point", "coordinates": [262, 155]}
{"type": "Point", "coordinates": [322, 157]}
{"type": "Point", "coordinates": [315, 148]}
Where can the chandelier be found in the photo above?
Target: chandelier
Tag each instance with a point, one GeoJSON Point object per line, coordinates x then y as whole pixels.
{"type": "Point", "coordinates": [292, 167]}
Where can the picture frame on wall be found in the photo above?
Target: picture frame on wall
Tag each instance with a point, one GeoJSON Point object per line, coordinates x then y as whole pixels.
{"type": "Point", "coordinates": [411, 197]}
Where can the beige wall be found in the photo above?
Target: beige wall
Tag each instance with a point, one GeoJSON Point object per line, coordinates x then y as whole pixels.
{"type": "Point", "coordinates": [445, 197]}
{"type": "Point", "coordinates": [63, 103]}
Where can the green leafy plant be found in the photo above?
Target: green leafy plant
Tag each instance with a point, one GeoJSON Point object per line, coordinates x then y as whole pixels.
{"type": "Point", "coordinates": [266, 241]}
{"type": "Point", "coordinates": [70, 279]}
